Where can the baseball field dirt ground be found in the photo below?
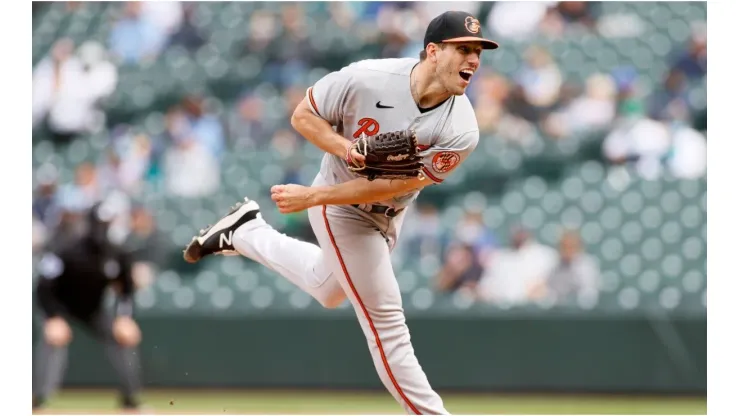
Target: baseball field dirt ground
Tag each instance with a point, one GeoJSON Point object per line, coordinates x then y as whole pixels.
{"type": "Point", "coordinates": [328, 402]}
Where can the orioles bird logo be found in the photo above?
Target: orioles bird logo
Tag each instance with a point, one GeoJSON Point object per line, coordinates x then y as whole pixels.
{"type": "Point", "coordinates": [443, 162]}
{"type": "Point", "coordinates": [472, 24]}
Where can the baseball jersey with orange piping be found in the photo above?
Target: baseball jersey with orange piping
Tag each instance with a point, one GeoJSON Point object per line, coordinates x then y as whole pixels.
{"type": "Point", "coordinates": [374, 96]}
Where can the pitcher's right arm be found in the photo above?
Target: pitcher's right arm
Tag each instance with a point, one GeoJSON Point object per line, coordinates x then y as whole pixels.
{"type": "Point", "coordinates": [317, 130]}
{"type": "Point", "coordinates": [323, 108]}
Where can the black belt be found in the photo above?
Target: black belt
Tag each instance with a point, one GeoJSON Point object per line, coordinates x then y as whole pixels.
{"type": "Point", "coordinates": [381, 209]}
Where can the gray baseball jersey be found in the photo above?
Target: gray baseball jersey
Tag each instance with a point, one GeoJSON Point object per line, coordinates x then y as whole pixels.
{"type": "Point", "coordinates": [374, 96]}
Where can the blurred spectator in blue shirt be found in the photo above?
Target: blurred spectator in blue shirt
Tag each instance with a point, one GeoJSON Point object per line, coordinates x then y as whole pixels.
{"type": "Point", "coordinates": [45, 203]}
{"type": "Point", "coordinates": [205, 128]}
{"type": "Point", "coordinates": [84, 192]}
{"type": "Point", "coordinates": [191, 164]}
{"type": "Point", "coordinates": [247, 125]}
{"type": "Point", "coordinates": [577, 13]}
{"type": "Point", "coordinates": [134, 39]}
{"type": "Point", "coordinates": [288, 63]}
{"type": "Point", "coordinates": [424, 234]}
{"type": "Point", "coordinates": [187, 34]}
{"type": "Point", "coordinates": [693, 61]}
{"type": "Point", "coordinates": [127, 164]}
{"type": "Point", "coordinates": [539, 83]}
{"type": "Point", "coordinates": [190, 170]}
{"type": "Point", "coordinates": [471, 231]}
{"type": "Point", "coordinates": [672, 101]}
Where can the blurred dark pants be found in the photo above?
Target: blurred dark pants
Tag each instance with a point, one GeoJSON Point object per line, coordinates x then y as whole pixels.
{"type": "Point", "coordinates": [50, 362]}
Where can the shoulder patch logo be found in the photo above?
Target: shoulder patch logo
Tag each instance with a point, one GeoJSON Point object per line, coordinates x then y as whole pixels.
{"type": "Point", "coordinates": [444, 162]}
{"type": "Point", "coordinates": [472, 24]}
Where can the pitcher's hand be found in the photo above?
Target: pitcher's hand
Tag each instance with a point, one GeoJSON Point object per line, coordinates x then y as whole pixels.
{"type": "Point", "coordinates": [292, 198]}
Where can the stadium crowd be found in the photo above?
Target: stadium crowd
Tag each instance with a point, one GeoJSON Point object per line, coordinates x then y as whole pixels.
{"type": "Point", "coordinates": [657, 130]}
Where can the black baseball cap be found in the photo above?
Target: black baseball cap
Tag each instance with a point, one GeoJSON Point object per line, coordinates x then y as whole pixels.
{"type": "Point", "coordinates": [456, 26]}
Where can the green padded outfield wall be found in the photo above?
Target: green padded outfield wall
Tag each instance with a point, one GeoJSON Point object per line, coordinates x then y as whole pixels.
{"type": "Point", "coordinates": [514, 353]}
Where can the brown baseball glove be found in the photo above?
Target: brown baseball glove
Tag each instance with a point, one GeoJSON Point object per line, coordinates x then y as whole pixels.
{"type": "Point", "coordinates": [391, 155]}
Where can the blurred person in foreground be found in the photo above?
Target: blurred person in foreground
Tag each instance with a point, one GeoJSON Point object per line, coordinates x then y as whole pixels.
{"type": "Point", "coordinates": [516, 275]}
{"type": "Point", "coordinates": [74, 280]}
{"type": "Point", "coordinates": [576, 276]}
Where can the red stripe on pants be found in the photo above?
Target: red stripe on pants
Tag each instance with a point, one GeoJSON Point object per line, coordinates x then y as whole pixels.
{"type": "Point", "coordinates": [367, 316]}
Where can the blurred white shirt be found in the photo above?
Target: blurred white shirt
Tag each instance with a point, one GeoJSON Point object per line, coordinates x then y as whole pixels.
{"type": "Point", "coordinates": [69, 98]}
{"type": "Point", "coordinates": [510, 274]}
{"type": "Point", "coordinates": [167, 16]}
{"type": "Point", "coordinates": [689, 157]}
{"type": "Point", "coordinates": [586, 113]}
{"type": "Point", "coordinates": [647, 139]}
{"type": "Point", "coordinates": [432, 9]}
{"type": "Point", "coordinates": [191, 171]}
{"type": "Point", "coordinates": [580, 278]}
{"type": "Point", "coordinates": [517, 20]}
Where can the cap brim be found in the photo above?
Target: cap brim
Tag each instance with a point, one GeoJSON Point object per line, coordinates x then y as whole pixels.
{"type": "Point", "coordinates": [487, 44]}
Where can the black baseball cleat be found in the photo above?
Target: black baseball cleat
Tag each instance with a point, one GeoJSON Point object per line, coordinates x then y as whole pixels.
{"type": "Point", "coordinates": [218, 238]}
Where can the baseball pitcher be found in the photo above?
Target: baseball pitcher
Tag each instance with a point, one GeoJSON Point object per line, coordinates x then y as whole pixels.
{"type": "Point", "coordinates": [389, 128]}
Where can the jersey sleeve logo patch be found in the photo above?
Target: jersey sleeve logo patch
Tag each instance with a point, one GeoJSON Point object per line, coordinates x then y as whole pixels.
{"type": "Point", "coordinates": [444, 162]}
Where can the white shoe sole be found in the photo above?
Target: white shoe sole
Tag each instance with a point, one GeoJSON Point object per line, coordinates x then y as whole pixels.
{"type": "Point", "coordinates": [230, 219]}
{"type": "Point", "coordinates": [191, 254]}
